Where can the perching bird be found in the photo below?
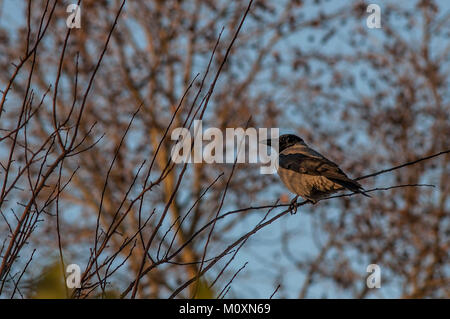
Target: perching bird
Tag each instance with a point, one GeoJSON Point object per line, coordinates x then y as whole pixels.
{"type": "Point", "coordinates": [309, 174]}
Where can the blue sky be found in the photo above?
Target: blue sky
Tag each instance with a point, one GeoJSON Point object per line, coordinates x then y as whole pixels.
{"type": "Point", "coordinates": [268, 239]}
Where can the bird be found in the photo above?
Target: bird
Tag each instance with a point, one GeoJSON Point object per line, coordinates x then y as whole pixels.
{"type": "Point", "coordinates": [307, 173]}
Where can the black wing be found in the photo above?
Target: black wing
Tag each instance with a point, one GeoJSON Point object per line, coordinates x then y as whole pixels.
{"type": "Point", "coordinates": [305, 164]}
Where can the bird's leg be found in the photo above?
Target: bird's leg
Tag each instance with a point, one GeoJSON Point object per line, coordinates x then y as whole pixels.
{"type": "Point", "coordinates": [293, 205]}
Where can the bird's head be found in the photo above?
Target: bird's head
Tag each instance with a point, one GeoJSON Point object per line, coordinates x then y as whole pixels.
{"type": "Point", "coordinates": [285, 141]}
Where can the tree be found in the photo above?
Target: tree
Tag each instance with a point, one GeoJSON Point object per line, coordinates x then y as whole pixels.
{"type": "Point", "coordinates": [87, 115]}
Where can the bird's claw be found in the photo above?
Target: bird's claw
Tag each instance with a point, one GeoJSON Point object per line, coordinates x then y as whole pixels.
{"type": "Point", "coordinates": [293, 206]}
{"type": "Point", "coordinates": [293, 209]}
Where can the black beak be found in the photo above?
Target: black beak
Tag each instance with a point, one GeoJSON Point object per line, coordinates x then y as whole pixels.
{"type": "Point", "coordinates": [267, 142]}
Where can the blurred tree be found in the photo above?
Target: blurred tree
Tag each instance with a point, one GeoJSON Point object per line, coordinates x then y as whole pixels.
{"type": "Point", "coordinates": [368, 98]}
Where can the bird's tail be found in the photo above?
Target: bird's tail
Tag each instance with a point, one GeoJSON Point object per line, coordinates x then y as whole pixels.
{"type": "Point", "coordinates": [352, 185]}
{"type": "Point", "coordinates": [362, 191]}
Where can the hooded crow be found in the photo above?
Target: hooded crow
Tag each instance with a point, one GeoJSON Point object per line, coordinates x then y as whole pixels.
{"type": "Point", "coordinates": [308, 173]}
